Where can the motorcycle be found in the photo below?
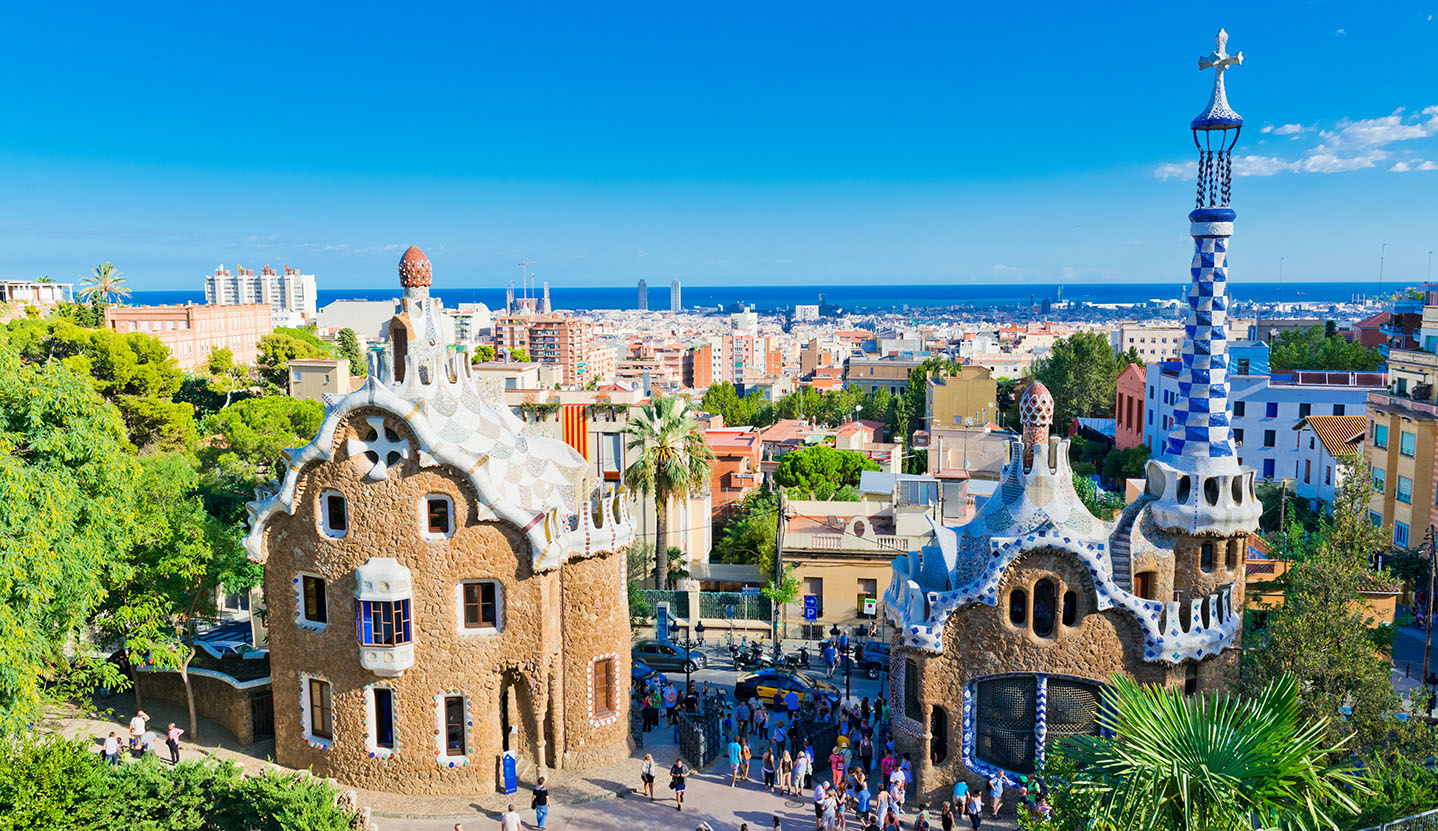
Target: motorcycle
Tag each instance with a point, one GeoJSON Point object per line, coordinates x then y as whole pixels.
{"type": "Point", "coordinates": [797, 660]}
{"type": "Point", "coordinates": [751, 658]}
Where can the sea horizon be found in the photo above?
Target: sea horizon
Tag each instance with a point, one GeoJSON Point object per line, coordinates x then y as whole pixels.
{"type": "Point", "coordinates": [849, 297]}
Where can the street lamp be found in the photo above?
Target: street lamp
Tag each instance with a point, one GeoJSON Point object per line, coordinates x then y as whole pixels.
{"type": "Point", "coordinates": [835, 633]}
{"type": "Point", "coordinates": [688, 644]}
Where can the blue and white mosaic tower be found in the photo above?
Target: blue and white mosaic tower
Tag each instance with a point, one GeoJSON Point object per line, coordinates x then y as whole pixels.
{"type": "Point", "coordinates": [1198, 484]}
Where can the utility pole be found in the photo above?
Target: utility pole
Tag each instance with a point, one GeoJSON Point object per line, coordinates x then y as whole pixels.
{"type": "Point", "coordinates": [1280, 280]}
{"type": "Point", "coordinates": [778, 611]}
{"type": "Point", "coordinates": [1429, 276]}
{"type": "Point", "coordinates": [1432, 545]}
{"type": "Point", "coordinates": [1283, 514]}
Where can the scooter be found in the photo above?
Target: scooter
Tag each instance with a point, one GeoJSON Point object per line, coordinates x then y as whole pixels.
{"type": "Point", "coordinates": [753, 657]}
{"type": "Point", "coordinates": [796, 660]}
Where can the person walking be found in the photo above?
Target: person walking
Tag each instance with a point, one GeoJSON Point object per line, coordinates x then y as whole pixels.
{"type": "Point", "coordinates": [836, 764]}
{"type": "Point", "coordinates": [786, 773]}
{"type": "Point", "coordinates": [646, 775]}
{"type": "Point", "coordinates": [509, 820]}
{"type": "Point", "coordinates": [946, 817]}
{"type": "Point", "coordinates": [974, 809]}
{"type": "Point", "coordinates": [172, 739]}
{"type": "Point", "coordinates": [744, 757]}
{"type": "Point", "coordinates": [996, 793]}
{"type": "Point", "coordinates": [866, 753]}
{"type": "Point", "coordinates": [831, 659]}
{"type": "Point", "coordinates": [540, 803]}
{"type": "Point", "coordinates": [769, 771]}
{"type": "Point", "coordinates": [677, 774]}
{"type": "Point", "coordinates": [736, 759]}
{"type": "Point", "coordinates": [112, 749]}
{"type": "Point", "coordinates": [778, 737]}
{"type": "Point", "coordinates": [791, 704]}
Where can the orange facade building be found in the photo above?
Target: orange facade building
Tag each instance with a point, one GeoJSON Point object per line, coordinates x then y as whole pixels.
{"type": "Point", "coordinates": [191, 331]}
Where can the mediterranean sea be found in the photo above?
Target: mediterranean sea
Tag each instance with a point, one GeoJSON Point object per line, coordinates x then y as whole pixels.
{"type": "Point", "coordinates": [853, 297]}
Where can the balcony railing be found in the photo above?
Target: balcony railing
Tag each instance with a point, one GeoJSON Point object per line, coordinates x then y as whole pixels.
{"type": "Point", "coordinates": [844, 542]}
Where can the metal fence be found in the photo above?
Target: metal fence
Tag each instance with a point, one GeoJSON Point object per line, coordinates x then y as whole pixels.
{"type": "Point", "coordinates": [1426, 821]}
{"type": "Point", "coordinates": [678, 601]}
{"type": "Point", "coordinates": [743, 606]}
{"type": "Point", "coordinates": [700, 741]}
{"type": "Point", "coordinates": [714, 605]}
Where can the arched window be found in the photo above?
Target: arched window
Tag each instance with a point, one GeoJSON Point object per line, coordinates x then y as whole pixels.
{"type": "Point", "coordinates": [1018, 607]}
{"type": "Point", "coordinates": [1205, 556]}
{"type": "Point", "coordinates": [1044, 600]}
{"type": "Point", "coordinates": [1070, 608]}
{"type": "Point", "coordinates": [939, 729]}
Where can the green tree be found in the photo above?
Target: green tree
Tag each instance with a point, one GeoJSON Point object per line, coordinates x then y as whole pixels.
{"type": "Point", "coordinates": [519, 355]}
{"type": "Point", "coordinates": [134, 370]}
{"type": "Point", "coordinates": [277, 349]}
{"type": "Point", "coordinates": [1322, 633]}
{"type": "Point", "coordinates": [1210, 763]}
{"type": "Point", "coordinates": [1128, 463]}
{"type": "Point", "coordinates": [737, 411]}
{"type": "Point", "coordinates": [1101, 504]}
{"type": "Point", "coordinates": [347, 346]}
{"type": "Point", "coordinates": [256, 433]}
{"type": "Point", "coordinates": [749, 532]}
{"type": "Point", "coordinates": [105, 283]}
{"type": "Point", "coordinates": [1310, 349]}
{"type": "Point", "coordinates": [781, 591]}
{"type": "Point", "coordinates": [183, 555]}
{"type": "Point", "coordinates": [483, 353]}
{"type": "Point", "coordinates": [821, 469]}
{"type": "Point", "coordinates": [69, 478]}
{"type": "Point", "coordinates": [1081, 373]}
{"type": "Point", "coordinates": [226, 376]}
{"type": "Point", "coordinates": [671, 460]}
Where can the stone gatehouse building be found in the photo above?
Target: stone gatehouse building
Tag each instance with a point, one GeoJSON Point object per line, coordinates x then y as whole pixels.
{"type": "Point", "coordinates": [1007, 627]}
{"type": "Point", "coordinates": [441, 585]}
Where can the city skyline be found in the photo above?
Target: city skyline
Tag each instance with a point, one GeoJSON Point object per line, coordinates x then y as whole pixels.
{"type": "Point", "coordinates": [767, 146]}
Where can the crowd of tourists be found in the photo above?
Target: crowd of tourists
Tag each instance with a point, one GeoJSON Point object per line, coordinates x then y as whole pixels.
{"type": "Point", "coordinates": [142, 741]}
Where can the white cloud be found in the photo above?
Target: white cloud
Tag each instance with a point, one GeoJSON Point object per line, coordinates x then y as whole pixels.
{"type": "Point", "coordinates": [1262, 165]}
{"type": "Point", "coordinates": [1406, 167]}
{"type": "Point", "coordinates": [1340, 33]}
{"type": "Point", "coordinates": [1330, 163]}
{"type": "Point", "coordinates": [1376, 132]}
{"type": "Point", "coordinates": [1287, 129]}
{"type": "Point", "coordinates": [1174, 170]}
{"type": "Point", "coordinates": [1000, 268]}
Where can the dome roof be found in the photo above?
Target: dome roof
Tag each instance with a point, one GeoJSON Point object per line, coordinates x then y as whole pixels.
{"type": "Point", "coordinates": [414, 268]}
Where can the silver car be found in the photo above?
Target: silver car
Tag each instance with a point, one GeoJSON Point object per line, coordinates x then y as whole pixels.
{"type": "Point", "coordinates": [666, 655]}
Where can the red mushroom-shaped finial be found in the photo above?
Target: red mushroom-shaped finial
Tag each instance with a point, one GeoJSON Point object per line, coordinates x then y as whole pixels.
{"type": "Point", "coordinates": [1036, 414]}
{"type": "Point", "coordinates": [414, 268]}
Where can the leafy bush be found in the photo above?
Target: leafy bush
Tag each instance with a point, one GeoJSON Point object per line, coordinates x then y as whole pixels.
{"type": "Point", "coordinates": [63, 784]}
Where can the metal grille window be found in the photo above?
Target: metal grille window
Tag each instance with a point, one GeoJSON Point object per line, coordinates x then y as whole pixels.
{"type": "Point", "coordinates": [1072, 710]}
{"type": "Point", "coordinates": [1005, 721]}
{"type": "Point", "coordinates": [382, 622]}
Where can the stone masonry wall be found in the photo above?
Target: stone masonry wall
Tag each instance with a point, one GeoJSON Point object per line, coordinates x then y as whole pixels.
{"type": "Point", "coordinates": [499, 673]}
{"type": "Point", "coordinates": [981, 641]}
{"type": "Point", "coordinates": [214, 699]}
{"type": "Point", "coordinates": [596, 625]}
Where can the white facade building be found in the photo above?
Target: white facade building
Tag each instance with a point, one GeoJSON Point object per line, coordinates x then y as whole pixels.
{"type": "Point", "coordinates": [1322, 441]}
{"type": "Point", "coordinates": [806, 314]}
{"type": "Point", "coordinates": [674, 301]}
{"type": "Point", "coordinates": [290, 294]}
{"type": "Point", "coordinates": [1266, 410]}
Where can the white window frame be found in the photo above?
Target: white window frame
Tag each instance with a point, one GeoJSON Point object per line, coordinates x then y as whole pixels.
{"type": "Point", "coordinates": [441, 756]}
{"type": "Point", "coordinates": [371, 741]}
{"type": "Point", "coordinates": [467, 631]}
{"type": "Point", "coordinates": [323, 514]}
{"type": "Point", "coordinates": [424, 517]}
{"type": "Point", "coordinates": [317, 742]}
{"type": "Point", "coordinates": [300, 620]}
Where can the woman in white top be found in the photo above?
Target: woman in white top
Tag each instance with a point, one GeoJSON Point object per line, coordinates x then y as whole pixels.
{"type": "Point", "coordinates": [646, 775]}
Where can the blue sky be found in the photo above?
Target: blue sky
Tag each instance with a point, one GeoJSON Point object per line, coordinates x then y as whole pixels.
{"type": "Point", "coordinates": [721, 143]}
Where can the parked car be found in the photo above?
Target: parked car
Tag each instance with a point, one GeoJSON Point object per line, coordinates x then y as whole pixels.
{"type": "Point", "coordinates": [665, 655]}
{"type": "Point", "coordinates": [873, 658]}
{"type": "Point", "coordinates": [640, 673]}
{"type": "Point", "coordinates": [770, 685]}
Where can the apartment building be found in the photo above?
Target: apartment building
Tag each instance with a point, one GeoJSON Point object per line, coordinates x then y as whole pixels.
{"type": "Point", "coordinates": [1128, 408]}
{"type": "Point", "coordinates": [675, 297]}
{"type": "Point", "coordinates": [735, 469]}
{"type": "Point", "coordinates": [873, 374]}
{"type": "Point", "coordinates": [1402, 431]}
{"type": "Point", "coordinates": [289, 294]}
{"type": "Point", "coordinates": [966, 398]}
{"type": "Point", "coordinates": [1266, 408]}
{"type": "Point", "coordinates": [35, 293]}
{"type": "Point", "coordinates": [1163, 343]}
{"type": "Point", "coordinates": [559, 339]}
{"type": "Point", "coordinates": [191, 331]}
{"type": "Point", "coordinates": [697, 367]}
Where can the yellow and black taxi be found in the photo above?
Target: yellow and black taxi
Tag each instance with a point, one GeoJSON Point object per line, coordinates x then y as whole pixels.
{"type": "Point", "coordinates": [770, 685]}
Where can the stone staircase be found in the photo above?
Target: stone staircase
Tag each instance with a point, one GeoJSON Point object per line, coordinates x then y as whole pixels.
{"type": "Point", "coordinates": [1119, 546]}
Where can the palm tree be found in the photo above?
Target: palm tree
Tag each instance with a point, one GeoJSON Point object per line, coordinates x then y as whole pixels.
{"type": "Point", "coordinates": [672, 461]}
{"type": "Point", "coordinates": [1214, 763]}
{"type": "Point", "coordinates": [107, 284]}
